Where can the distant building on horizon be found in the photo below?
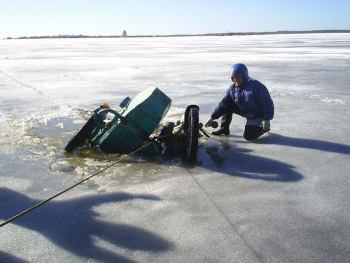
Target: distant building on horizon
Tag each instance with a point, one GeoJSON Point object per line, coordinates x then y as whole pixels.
{"type": "Point", "coordinates": [124, 34]}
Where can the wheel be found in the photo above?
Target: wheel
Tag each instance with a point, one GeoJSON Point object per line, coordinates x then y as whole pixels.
{"type": "Point", "coordinates": [191, 128]}
{"type": "Point", "coordinates": [81, 136]}
{"type": "Point", "coordinates": [166, 129]}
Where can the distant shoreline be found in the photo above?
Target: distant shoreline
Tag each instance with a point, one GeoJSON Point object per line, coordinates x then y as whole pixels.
{"type": "Point", "coordinates": [283, 32]}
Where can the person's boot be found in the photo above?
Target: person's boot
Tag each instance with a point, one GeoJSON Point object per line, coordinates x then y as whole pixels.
{"type": "Point", "coordinates": [225, 125]}
{"type": "Point", "coordinates": [224, 132]}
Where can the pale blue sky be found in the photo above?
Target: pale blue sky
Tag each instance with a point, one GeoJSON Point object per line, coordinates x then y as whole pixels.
{"type": "Point", "coordinates": [107, 17]}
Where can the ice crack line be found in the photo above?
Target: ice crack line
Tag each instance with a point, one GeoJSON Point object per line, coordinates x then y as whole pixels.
{"type": "Point", "coordinates": [227, 219]}
{"type": "Point", "coordinates": [21, 83]}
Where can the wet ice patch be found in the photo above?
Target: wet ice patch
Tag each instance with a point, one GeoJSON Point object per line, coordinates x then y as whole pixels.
{"type": "Point", "coordinates": [53, 127]}
{"type": "Point", "coordinates": [283, 93]}
{"type": "Point", "coordinates": [326, 99]}
{"type": "Point", "coordinates": [60, 125]}
{"type": "Point", "coordinates": [62, 166]}
{"type": "Point", "coordinates": [329, 100]}
{"type": "Point", "coordinates": [275, 93]}
{"type": "Point", "coordinates": [174, 113]}
{"type": "Point", "coordinates": [41, 135]}
{"type": "Point", "coordinates": [70, 75]}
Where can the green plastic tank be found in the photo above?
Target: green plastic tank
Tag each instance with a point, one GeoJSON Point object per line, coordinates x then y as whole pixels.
{"type": "Point", "coordinates": [123, 132]}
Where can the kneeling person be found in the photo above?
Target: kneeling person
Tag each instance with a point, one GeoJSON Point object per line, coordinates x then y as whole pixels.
{"type": "Point", "coordinates": [248, 98]}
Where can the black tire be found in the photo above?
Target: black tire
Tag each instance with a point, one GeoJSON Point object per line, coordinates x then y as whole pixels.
{"type": "Point", "coordinates": [81, 136]}
{"type": "Point", "coordinates": [192, 133]}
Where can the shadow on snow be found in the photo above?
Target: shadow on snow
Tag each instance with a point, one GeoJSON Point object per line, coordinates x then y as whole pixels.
{"type": "Point", "coordinates": [274, 138]}
{"type": "Point", "coordinates": [73, 225]}
{"type": "Point", "coordinates": [8, 258]}
{"type": "Point", "coordinates": [220, 156]}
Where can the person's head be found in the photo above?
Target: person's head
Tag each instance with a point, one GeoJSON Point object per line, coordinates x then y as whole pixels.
{"type": "Point", "coordinates": [239, 73]}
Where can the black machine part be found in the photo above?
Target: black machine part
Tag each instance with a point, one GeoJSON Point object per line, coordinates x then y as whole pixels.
{"type": "Point", "coordinates": [191, 130]}
{"type": "Point", "coordinates": [214, 124]}
{"type": "Point", "coordinates": [125, 103]}
{"type": "Point", "coordinates": [81, 136]}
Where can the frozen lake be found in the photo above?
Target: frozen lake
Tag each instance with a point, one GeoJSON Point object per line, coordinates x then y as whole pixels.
{"type": "Point", "coordinates": [282, 198]}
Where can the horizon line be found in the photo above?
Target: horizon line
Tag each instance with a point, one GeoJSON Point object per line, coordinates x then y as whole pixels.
{"type": "Point", "coordinates": [184, 35]}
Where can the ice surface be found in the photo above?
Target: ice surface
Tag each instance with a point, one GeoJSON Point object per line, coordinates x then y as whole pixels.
{"type": "Point", "coordinates": [283, 198]}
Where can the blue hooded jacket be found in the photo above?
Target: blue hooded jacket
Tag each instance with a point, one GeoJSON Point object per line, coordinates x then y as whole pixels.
{"type": "Point", "coordinates": [252, 99]}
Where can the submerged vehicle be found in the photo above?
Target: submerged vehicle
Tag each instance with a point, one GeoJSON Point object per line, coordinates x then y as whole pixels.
{"type": "Point", "coordinates": [137, 123]}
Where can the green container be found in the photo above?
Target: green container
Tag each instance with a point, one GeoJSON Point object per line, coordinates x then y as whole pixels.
{"type": "Point", "coordinates": [126, 131]}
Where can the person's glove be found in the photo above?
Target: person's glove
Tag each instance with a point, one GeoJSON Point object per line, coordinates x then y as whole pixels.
{"type": "Point", "coordinates": [104, 105]}
{"type": "Point", "coordinates": [266, 125]}
{"type": "Point", "coordinates": [209, 122]}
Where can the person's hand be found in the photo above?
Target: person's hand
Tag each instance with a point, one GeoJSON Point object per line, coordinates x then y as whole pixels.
{"type": "Point", "coordinates": [104, 105]}
{"type": "Point", "coordinates": [266, 125]}
{"type": "Point", "coordinates": [209, 122]}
